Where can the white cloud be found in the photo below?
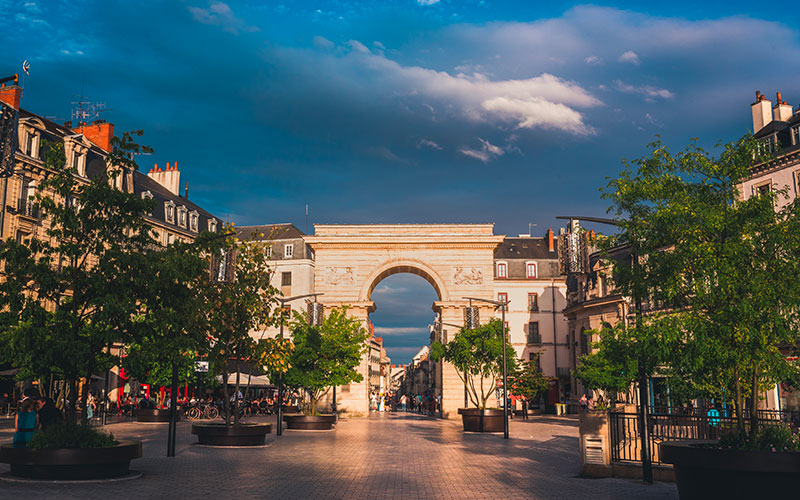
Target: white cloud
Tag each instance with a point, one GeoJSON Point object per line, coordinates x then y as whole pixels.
{"type": "Point", "coordinates": [485, 153]}
{"type": "Point", "coordinates": [400, 330]}
{"type": "Point", "coordinates": [593, 60]}
{"type": "Point", "coordinates": [321, 42]}
{"type": "Point", "coordinates": [427, 2]}
{"type": "Point", "coordinates": [358, 46]}
{"type": "Point", "coordinates": [220, 14]}
{"type": "Point", "coordinates": [650, 93]}
{"type": "Point", "coordinates": [428, 144]}
{"type": "Point", "coordinates": [629, 57]}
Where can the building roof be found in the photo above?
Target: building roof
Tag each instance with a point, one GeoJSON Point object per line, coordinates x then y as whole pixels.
{"type": "Point", "coordinates": [525, 248]}
{"type": "Point", "coordinates": [285, 231]}
{"type": "Point", "coordinates": [143, 183]}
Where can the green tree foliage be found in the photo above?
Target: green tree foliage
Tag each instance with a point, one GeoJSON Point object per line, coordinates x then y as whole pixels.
{"type": "Point", "coordinates": [477, 353]}
{"type": "Point", "coordinates": [724, 268]}
{"type": "Point", "coordinates": [241, 303]}
{"type": "Point", "coordinates": [528, 380]}
{"type": "Point", "coordinates": [325, 356]}
{"type": "Point", "coordinates": [69, 293]}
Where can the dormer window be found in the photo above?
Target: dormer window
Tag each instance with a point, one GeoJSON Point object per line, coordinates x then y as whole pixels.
{"type": "Point", "coordinates": [194, 221]}
{"type": "Point", "coordinates": [269, 252]}
{"type": "Point", "coordinates": [169, 212]}
{"type": "Point", "coordinates": [79, 163]}
{"type": "Point", "coordinates": [182, 216]}
{"type": "Point", "coordinates": [796, 135]}
{"type": "Point", "coordinates": [502, 270]}
{"type": "Point", "coordinates": [212, 225]}
{"type": "Point", "coordinates": [32, 144]}
{"type": "Point", "coordinates": [147, 195]}
{"type": "Point", "coordinates": [530, 270]}
{"type": "Point", "coordinates": [288, 251]}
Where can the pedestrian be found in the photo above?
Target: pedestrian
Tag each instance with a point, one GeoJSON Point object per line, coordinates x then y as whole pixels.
{"type": "Point", "coordinates": [404, 402]}
{"type": "Point", "coordinates": [584, 402]}
{"type": "Point", "coordinates": [48, 413]}
{"type": "Point", "coordinates": [25, 423]}
{"type": "Point", "coordinates": [524, 408]}
{"type": "Point", "coordinates": [89, 406]}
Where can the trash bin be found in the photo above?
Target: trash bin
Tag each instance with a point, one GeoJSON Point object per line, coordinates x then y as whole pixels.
{"type": "Point", "coordinates": [561, 409]}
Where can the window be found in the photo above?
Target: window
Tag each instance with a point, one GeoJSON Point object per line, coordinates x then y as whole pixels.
{"type": "Point", "coordinates": [796, 135]}
{"type": "Point", "coordinates": [286, 279]}
{"type": "Point", "coordinates": [147, 195]}
{"type": "Point", "coordinates": [182, 216]}
{"type": "Point", "coordinates": [212, 225]}
{"type": "Point", "coordinates": [269, 251]}
{"type": "Point", "coordinates": [32, 145]}
{"type": "Point", "coordinates": [169, 212]}
{"type": "Point", "coordinates": [502, 270]}
{"type": "Point", "coordinates": [194, 219]}
{"type": "Point", "coordinates": [288, 251]}
{"type": "Point", "coordinates": [79, 163]}
{"type": "Point", "coordinates": [762, 189]}
{"type": "Point", "coordinates": [530, 270]}
{"type": "Point", "coordinates": [533, 302]}
{"type": "Point", "coordinates": [533, 333]}
{"type": "Point", "coordinates": [502, 297]}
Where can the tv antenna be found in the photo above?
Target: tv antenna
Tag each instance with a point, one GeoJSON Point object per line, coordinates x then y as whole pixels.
{"type": "Point", "coordinates": [85, 111]}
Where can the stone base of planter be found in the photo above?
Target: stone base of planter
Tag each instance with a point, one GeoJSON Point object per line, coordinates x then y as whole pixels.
{"type": "Point", "coordinates": [310, 423]}
{"type": "Point", "coordinates": [476, 420]}
{"type": "Point", "coordinates": [77, 464]}
{"type": "Point", "coordinates": [155, 415]}
{"type": "Point", "coordinates": [241, 435]}
{"type": "Point", "coordinates": [703, 473]}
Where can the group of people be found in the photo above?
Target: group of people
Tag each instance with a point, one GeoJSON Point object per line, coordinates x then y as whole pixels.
{"type": "Point", "coordinates": [417, 403]}
{"type": "Point", "coordinates": [33, 414]}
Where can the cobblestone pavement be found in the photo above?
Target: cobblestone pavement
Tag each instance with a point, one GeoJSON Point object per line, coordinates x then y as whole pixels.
{"type": "Point", "coordinates": [382, 457]}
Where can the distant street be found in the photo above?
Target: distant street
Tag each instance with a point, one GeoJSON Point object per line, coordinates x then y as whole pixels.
{"type": "Point", "coordinates": [388, 456]}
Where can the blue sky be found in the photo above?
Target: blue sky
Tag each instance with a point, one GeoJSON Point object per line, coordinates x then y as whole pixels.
{"type": "Point", "coordinates": [405, 111]}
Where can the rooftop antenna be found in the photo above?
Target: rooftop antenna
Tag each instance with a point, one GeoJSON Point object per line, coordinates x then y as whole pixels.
{"type": "Point", "coordinates": [85, 111]}
{"type": "Point", "coordinates": [530, 225]}
{"type": "Point", "coordinates": [306, 218]}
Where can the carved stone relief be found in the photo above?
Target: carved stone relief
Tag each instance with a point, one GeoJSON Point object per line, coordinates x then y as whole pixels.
{"type": "Point", "coordinates": [340, 276]}
{"type": "Point", "coordinates": [468, 276]}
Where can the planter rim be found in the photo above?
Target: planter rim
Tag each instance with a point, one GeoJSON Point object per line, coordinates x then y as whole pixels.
{"type": "Point", "coordinates": [125, 450]}
{"type": "Point", "coordinates": [478, 411]}
{"type": "Point", "coordinates": [693, 454]}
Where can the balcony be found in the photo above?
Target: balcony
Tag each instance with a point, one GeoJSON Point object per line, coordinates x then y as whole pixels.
{"type": "Point", "coordinates": [534, 339]}
{"type": "Point", "coordinates": [28, 208]}
{"type": "Point", "coordinates": [563, 373]}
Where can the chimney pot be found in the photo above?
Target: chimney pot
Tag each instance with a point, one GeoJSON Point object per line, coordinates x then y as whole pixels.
{"type": "Point", "coordinates": [550, 246]}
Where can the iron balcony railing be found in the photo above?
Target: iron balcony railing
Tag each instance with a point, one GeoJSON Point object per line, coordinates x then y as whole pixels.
{"type": "Point", "coordinates": [28, 208]}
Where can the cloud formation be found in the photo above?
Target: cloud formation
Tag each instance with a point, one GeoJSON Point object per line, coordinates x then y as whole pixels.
{"type": "Point", "coordinates": [220, 14]}
{"type": "Point", "coordinates": [629, 56]}
{"type": "Point", "coordinates": [649, 92]}
{"type": "Point", "coordinates": [485, 153]}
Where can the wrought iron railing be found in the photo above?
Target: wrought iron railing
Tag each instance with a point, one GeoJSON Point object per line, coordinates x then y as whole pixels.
{"type": "Point", "coordinates": [28, 208]}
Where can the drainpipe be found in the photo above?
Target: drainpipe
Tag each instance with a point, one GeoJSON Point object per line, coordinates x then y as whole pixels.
{"type": "Point", "coordinates": [3, 208]}
{"type": "Point", "coordinates": [555, 337]}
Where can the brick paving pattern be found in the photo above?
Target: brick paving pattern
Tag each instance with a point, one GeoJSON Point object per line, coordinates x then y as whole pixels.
{"type": "Point", "coordinates": [386, 456]}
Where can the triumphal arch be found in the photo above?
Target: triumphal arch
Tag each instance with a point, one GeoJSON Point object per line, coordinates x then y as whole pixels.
{"type": "Point", "coordinates": [456, 259]}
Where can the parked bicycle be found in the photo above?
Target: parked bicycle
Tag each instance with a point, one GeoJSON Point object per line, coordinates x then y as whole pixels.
{"type": "Point", "coordinates": [199, 411]}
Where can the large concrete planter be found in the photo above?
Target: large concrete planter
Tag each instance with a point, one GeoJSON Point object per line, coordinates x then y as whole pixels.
{"type": "Point", "coordinates": [235, 435]}
{"type": "Point", "coordinates": [71, 463]}
{"type": "Point", "coordinates": [154, 415]}
{"type": "Point", "coordinates": [476, 420]}
{"type": "Point", "coordinates": [310, 423]}
{"type": "Point", "coordinates": [703, 473]}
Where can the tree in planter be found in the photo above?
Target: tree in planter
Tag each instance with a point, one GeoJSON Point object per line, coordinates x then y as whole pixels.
{"type": "Point", "coordinates": [325, 356]}
{"type": "Point", "coordinates": [477, 353]}
{"type": "Point", "coordinates": [528, 380]}
{"type": "Point", "coordinates": [69, 293]}
{"type": "Point", "coordinates": [240, 301]}
{"type": "Point", "coordinates": [153, 367]}
{"type": "Point", "coordinates": [726, 267]}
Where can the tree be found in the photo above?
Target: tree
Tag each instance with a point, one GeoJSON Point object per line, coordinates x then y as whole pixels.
{"type": "Point", "coordinates": [240, 301]}
{"type": "Point", "coordinates": [720, 268]}
{"type": "Point", "coordinates": [325, 356]}
{"type": "Point", "coordinates": [68, 293]}
{"type": "Point", "coordinates": [477, 353]}
{"type": "Point", "coordinates": [528, 380]}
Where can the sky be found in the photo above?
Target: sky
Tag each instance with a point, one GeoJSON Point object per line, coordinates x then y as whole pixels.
{"type": "Point", "coordinates": [405, 110]}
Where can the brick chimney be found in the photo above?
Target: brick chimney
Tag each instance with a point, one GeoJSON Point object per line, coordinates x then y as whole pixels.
{"type": "Point", "coordinates": [762, 111]}
{"type": "Point", "coordinates": [11, 94]}
{"type": "Point", "coordinates": [550, 246]}
{"type": "Point", "coordinates": [170, 177]}
{"type": "Point", "coordinates": [781, 111]}
{"type": "Point", "coordinates": [99, 132]}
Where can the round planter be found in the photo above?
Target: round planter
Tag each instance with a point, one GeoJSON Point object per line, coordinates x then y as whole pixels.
{"type": "Point", "coordinates": [476, 420]}
{"type": "Point", "coordinates": [77, 464]}
{"type": "Point", "coordinates": [703, 473]}
{"type": "Point", "coordinates": [290, 409]}
{"type": "Point", "coordinates": [155, 415]}
{"type": "Point", "coordinates": [241, 435]}
{"type": "Point", "coordinates": [309, 423]}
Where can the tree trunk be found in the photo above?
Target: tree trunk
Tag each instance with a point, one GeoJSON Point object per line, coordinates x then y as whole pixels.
{"type": "Point", "coordinates": [236, 394]}
{"type": "Point", "coordinates": [226, 403]}
{"type": "Point", "coordinates": [754, 403]}
{"type": "Point", "coordinates": [737, 392]}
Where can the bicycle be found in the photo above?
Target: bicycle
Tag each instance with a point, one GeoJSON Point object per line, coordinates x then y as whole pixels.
{"type": "Point", "coordinates": [202, 411]}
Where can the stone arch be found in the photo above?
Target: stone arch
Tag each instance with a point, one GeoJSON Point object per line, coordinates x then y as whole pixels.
{"type": "Point", "coordinates": [403, 266]}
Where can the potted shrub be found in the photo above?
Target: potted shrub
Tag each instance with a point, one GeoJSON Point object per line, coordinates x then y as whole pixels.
{"type": "Point", "coordinates": [70, 451]}
{"type": "Point", "coordinates": [723, 270]}
{"type": "Point", "coordinates": [324, 356]}
{"type": "Point", "coordinates": [239, 300]}
{"type": "Point", "coordinates": [529, 382]}
{"type": "Point", "coordinates": [477, 354]}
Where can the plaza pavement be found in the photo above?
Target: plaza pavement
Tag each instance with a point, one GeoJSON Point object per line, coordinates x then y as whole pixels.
{"type": "Point", "coordinates": [388, 456]}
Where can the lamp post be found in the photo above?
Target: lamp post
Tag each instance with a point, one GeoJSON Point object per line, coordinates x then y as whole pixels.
{"type": "Point", "coordinates": [312, 318]}
{"type": "Point", "coordinates": [502, 305]}
{"type": "Point", "coordinates": [643, 382]}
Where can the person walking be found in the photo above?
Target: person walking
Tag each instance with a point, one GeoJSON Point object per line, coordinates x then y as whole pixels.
{"type": "Point", "coordinates": [584, 401]}
{"type": "Point", "coordinates": [25, 423]}
{"type": "Point", "coordinates": [48, 413]}
{"type": "Point", "coordinates": [524, 408]}
{"type": "Point", "coordinates": [89, 406]}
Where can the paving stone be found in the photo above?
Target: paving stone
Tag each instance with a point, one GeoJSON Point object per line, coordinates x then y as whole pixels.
{"type": "Point", "coordinates": [388, 456]}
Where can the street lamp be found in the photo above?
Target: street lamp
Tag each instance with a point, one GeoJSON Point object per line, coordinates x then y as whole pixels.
{"type": "Point", "coordinates": [473, 317]}
{"type": "Point", "coordinates": [314, 318]}
{"type": "Point", "coordinates": [644, 389]}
